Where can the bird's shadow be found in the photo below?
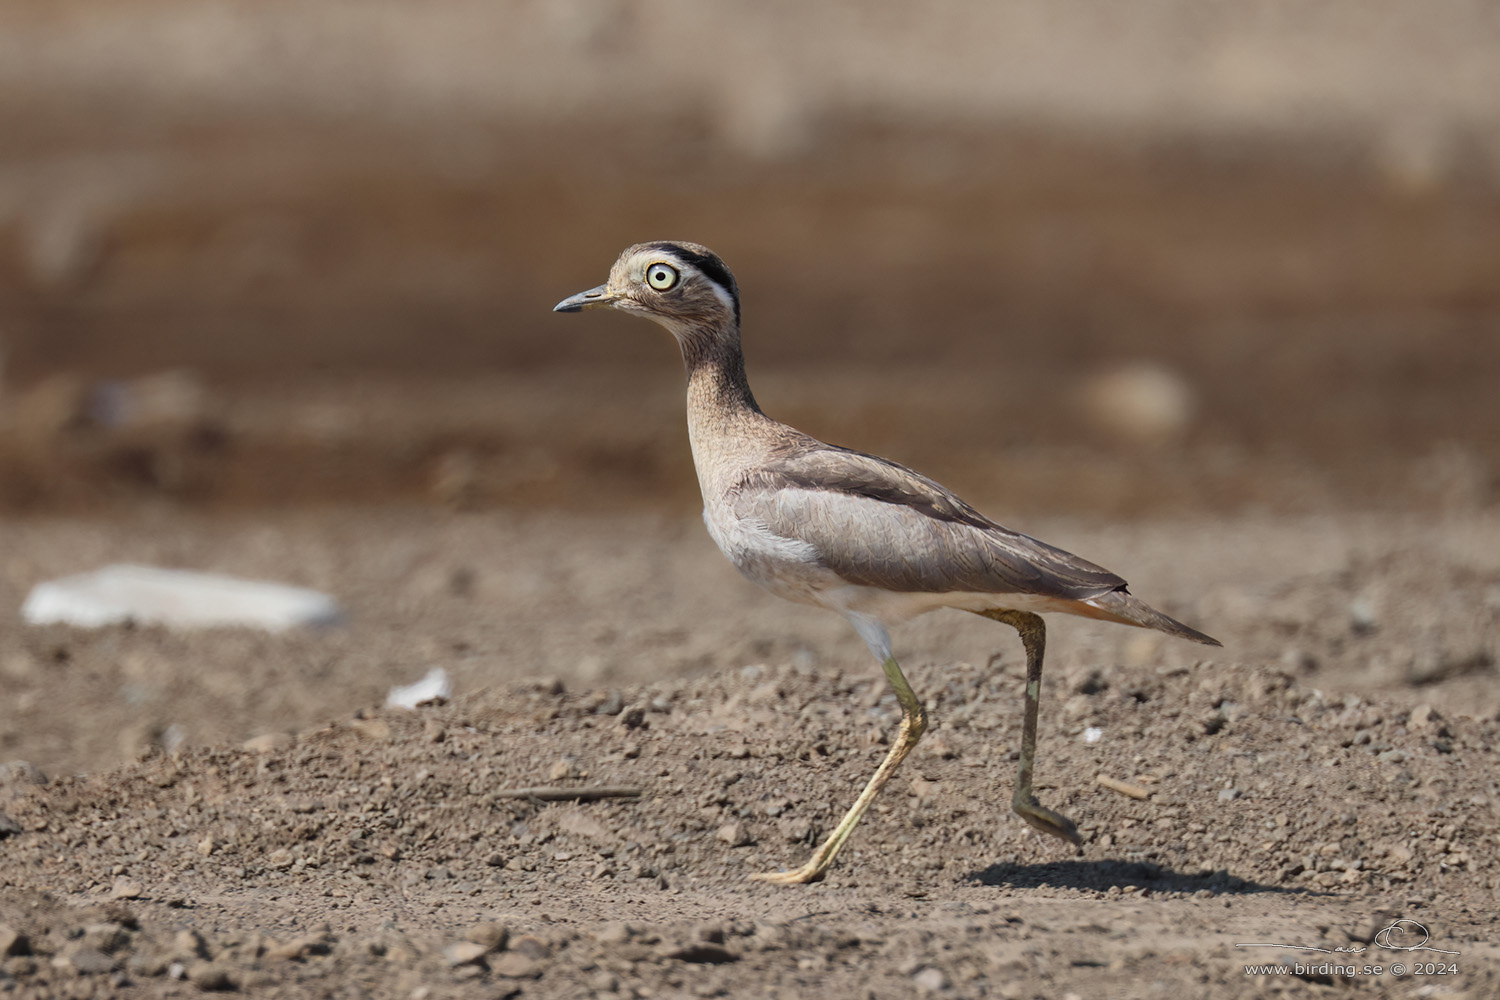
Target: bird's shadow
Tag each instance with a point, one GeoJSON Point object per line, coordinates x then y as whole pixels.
{"type": "Point", "coordinates": [1104, 874]}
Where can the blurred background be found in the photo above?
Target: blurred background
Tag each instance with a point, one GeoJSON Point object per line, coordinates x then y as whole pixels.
{"type": "Point", "coordinates": [1066, 256]}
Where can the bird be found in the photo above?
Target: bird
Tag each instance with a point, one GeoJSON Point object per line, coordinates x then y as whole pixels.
{"type": "Point", "coordinates": [848, 531]}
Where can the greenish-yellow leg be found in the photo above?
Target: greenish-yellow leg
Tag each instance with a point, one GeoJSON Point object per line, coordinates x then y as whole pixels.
{"type": "Point", "coordinates": [913, 725]}
{"type": "Point", "coordinates": [1034, 638]}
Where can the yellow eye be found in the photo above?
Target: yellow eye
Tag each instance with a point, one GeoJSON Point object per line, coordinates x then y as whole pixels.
{"type": "Point", "coordinates": [661, 277]}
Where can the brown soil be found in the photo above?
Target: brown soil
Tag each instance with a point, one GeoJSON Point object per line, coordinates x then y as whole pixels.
{"type": "Point", "coordinates": [1330, 771]}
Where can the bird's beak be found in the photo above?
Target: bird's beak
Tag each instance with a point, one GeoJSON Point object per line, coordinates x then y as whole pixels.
{"type": "Point", "coordinates": [594, 298]}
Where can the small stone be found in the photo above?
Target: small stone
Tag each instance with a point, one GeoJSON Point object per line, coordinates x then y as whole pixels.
{"type": "Point", "coordinates": [937, 746]}
{"type": "Point", "coordinates": [125, 888]}
{"type": "Point", "coordinates": [562, 770]}
{"type": "Point", "coordinates": [106, 937]}
{"type": "Point", "coordinates": [371, 729]}
{"type": "Point", "coordinates": [464, 953]}
{"type": "Point", "coordinates": [148, 964]}
{"type": "Point", "coordinates": [702, 953]}
{"type": "Point", "coordinates": [491, 935]}
{"type": "Point", "coordinates": [1228, 794]}
{"type": "Point", "coordinates": [734, 834]}
{"type": "Point", "coordinates": [514, 965]}
{"type": "Point", "coordinates": [268, 742]}
{"type": "Point", "coordinates": [930, 980]}
{"type": "Point", "coordinates": [13, 942]}
{"type": "Point", "coordinates": [1077, 707]}
{"type": "Point", "coordinates": [85, 961]}
{"type": "Point", "coordinates": [1422, 717]}
{"type": "Point", "coordinates": [188, 944]}
{"type": "Point", "coordinates": [206, 845]}
{"type": "Point", "coordinates": [308, 944]}
{"type": "Point", "coordinates": [211, 976]}
{"type": "Point", "coordinates": [614, 932]}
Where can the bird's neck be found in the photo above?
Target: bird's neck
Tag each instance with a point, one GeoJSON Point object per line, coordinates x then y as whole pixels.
{"type": "Point", "coordinates": [726, 428]}
{"type": "Point", "coordinates": [717, 386]}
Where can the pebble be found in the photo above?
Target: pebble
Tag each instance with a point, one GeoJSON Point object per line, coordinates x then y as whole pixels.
{"type": "Point", "coordinates": [702, 953]}
{"type": "Point", "coordinates": [514, 965]}
{"type": "Point", "coordinates": [268, 742]}
{"type": "Point", "coordinates": [1077, 707]}
{"type": "Point", "coordinates": [1422, 717]}
{"type": "Point", "coordinates": [85, 961]}
{"type": "Point", "coordinates": [464, 953]}
{"type": "Point", "coordinates": [211, 976]}
{"type": "Point", "coordinates": [1362, 618]}
{"type": "Point", "coordinates": [614, 932]}
{"type": "Point", "coordinates": [371, 729]}
{"type": "Point", "coordinates": [188, 944]}
{"type": "Point", "coordinates": [531, 946]}
{"type": "Point", "coordinates": [13, 942]}
{"type": "Point", "coordinates": [930, 980]}
{"type": "Point", "coordinates": [107, 937]}
{"type": "Point", "coordinates": [735, 835]}
{"type": "Point", "coordinates": [125, 888]}
{"type": "Point", "coordinates": [309, 944]}
{"type": "Point", "coordinates": [1228, 794]}
{"type": "Point", "coordinates": [492, 936]}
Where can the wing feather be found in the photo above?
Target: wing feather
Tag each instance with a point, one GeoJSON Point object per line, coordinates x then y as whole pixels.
{"type": "Point", "coordinates": [876, 523]}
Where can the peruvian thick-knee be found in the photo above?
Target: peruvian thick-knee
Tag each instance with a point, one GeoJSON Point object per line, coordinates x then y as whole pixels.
{"type": "Point", "coordinates": [851, 532]}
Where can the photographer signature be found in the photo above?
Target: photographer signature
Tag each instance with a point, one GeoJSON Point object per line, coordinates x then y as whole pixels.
{"type": "Point", "coordinates": [1389, 938]}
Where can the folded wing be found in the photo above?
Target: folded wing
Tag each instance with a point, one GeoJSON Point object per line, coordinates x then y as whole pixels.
{"type": "Point", "coordinates": [876, 523]}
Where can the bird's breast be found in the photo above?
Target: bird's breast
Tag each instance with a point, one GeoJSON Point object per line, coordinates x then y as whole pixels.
{"type": "Point", "coordinates": [788, 567]}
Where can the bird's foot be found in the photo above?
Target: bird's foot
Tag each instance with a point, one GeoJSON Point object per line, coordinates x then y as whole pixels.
{"type": "Point", "coordinates": [1044, 820]}
{"type": "Point", "coordinates": [800, 876]}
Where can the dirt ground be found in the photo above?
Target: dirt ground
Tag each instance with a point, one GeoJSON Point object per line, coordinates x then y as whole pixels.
{"type": "Point", "coordinates": [239, 812]}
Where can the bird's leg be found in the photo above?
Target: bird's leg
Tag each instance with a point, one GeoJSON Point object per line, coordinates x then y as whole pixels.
{"type": "Point", "coordinates": [913, 725]}
{"type": "Point", "coordinates": [1034, 638]}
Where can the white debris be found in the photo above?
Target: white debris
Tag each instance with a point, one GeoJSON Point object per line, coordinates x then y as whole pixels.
{"type": "Point", "coordinates": [435, 687]}
{"type": "Point", "coordinates": [1093, 734]}
{"type": "Point", "coordinates": [175, 598]}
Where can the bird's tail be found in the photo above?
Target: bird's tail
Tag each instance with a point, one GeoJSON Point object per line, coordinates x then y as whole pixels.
{"type": "Point", "coordinates": [1117, 605]}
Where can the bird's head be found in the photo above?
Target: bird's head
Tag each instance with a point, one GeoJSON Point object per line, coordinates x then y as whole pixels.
{"type": "Point", "coordinates": [683, 286]}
